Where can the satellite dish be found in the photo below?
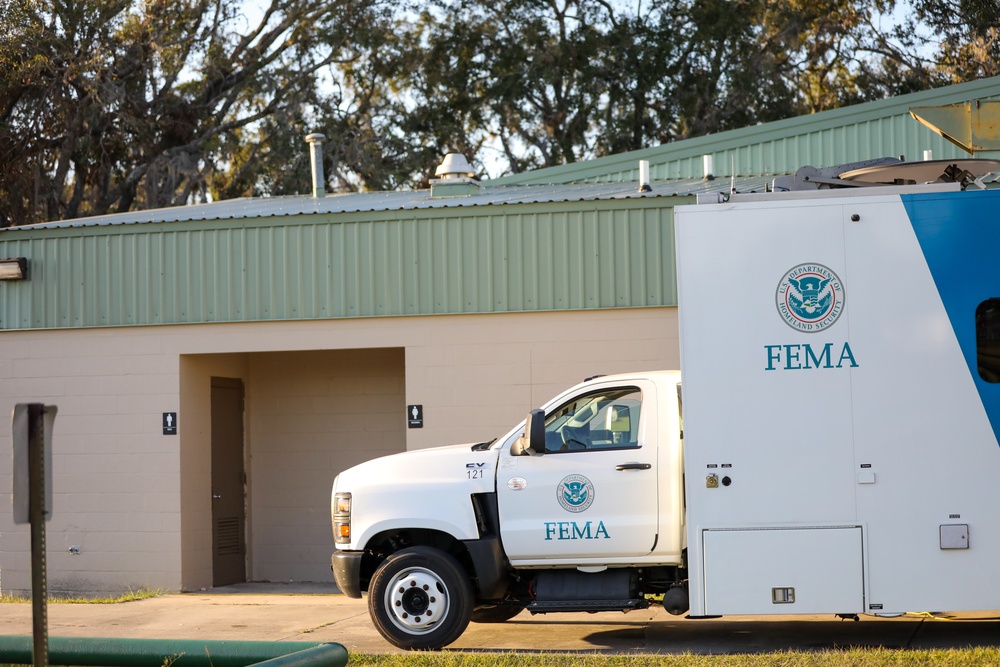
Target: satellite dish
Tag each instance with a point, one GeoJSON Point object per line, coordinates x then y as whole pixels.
{"type": "Point", "coordinates": [929, 171]}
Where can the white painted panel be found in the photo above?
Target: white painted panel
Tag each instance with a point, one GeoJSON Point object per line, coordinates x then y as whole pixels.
{"type": "Point", "coordinates": [754, 400]}
{"type": "Point", "coordinates": [919, 423]}
{"type": "Point", "coordinates": [822, 565]}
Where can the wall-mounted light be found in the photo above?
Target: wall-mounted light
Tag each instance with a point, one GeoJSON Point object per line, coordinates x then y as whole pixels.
{"type": "Point", "coordinates": [14, 268]}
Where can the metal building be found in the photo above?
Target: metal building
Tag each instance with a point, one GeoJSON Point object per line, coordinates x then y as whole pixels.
{"type": "Point", "coordinates": [215, 366]}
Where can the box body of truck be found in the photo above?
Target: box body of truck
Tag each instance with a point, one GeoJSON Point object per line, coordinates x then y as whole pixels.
{"type": "Point", "coordinates": [840, 353]}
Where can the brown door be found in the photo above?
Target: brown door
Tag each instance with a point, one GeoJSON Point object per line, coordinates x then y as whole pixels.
{"type": "Point", "coordinates": [228, 481]}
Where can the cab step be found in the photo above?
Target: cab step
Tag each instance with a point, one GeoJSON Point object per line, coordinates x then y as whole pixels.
{"type": "Point", "coordinates": [552, 606]}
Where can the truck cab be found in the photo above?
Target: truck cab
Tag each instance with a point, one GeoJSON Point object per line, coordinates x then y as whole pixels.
{"type": "Point", "coordinates": [579, 508]}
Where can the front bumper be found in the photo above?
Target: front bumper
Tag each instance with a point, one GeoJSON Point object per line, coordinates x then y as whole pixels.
{"type": "Point", "coordinates": [346, 566]}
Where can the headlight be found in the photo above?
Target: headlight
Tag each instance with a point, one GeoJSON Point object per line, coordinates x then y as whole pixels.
{"type": "Point", "coordinates": [342, 518]}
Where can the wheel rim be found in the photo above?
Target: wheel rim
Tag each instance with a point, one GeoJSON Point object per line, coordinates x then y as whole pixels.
{"type": "Point", "coordinates": [417, 600]}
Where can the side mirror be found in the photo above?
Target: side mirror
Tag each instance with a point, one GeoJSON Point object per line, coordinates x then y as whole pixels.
{"type": "Point", "coordinates": [532, 443]}
{"type": "Point", "coordinates": [619, 424]}
{"type": "Point", "coordinates": [619, 419]}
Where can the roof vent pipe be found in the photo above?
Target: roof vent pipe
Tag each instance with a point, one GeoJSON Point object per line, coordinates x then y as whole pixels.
{"type": "Point", "coordinates": [644, 176]}
{"type": "Point", "coordinates": [707, 168]}
{"type": "Point", "coordinates": [315, 141]}
{"type": "Point", "coordinates": [455, 178]}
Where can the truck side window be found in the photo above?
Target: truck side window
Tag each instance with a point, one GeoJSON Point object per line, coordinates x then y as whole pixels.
{"type": "Point", "coordinates": [988, 339]}
{"type": "Point", "coordinates": [604, 419]}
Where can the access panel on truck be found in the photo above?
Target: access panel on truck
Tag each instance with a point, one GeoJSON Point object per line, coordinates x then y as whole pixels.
{"type": "Point", "coordinates": [783, 571]}
{"type": "Point", "coordinates": [767, 389]}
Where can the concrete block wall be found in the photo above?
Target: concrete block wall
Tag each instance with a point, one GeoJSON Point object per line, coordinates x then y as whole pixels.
{"type": "Point", "coordinates": [312, 414]}
{"type": "Point", "coordinates": [116, 477]}
{"type": "Point", "coordinates": [480, 376]}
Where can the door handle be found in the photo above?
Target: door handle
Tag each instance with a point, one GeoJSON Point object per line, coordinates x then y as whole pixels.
{"type": "Point", "coordinates": [216, 496]}
{"type": "Point", "coordinates": [633, 466]}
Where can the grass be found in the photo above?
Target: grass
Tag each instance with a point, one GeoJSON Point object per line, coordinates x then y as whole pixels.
{"type": "Point", "coordinates": [854, 657]}
{"type": "Point", "coordinates": [130, 596]}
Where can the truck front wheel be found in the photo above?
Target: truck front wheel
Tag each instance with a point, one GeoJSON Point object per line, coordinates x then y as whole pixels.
{"type": "Point", "coordinates": [420, 598]}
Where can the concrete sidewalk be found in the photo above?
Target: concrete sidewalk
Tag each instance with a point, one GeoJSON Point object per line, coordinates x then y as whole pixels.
{"type": "Point", "coordinates": [255, 612]}
{"type": "Point", "coordinates": [315, 612]}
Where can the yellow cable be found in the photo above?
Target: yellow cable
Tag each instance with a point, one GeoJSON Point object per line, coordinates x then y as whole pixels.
{"type": "Point", "coordinates": [927, 614]}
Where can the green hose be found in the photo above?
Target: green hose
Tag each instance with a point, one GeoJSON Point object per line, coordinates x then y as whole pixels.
{"type": "Point", "coordinates": [102, 652]}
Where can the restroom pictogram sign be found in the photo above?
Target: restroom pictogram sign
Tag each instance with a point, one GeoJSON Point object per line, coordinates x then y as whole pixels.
{"type": "Point", "coordinates": [169, 423]}
{"type": "Point", "coordinates": [415, 416]}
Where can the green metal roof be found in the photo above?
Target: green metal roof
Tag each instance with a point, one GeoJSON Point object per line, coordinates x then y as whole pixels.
{"type": "Point", "coordinates": [613, 251]}
{"type": "Point", "coordinates": [859, 132]}
{"type": "Point", "coordinates": [398, 201]}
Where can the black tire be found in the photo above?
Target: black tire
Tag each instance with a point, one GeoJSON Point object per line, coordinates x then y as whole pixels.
{"type": "Point", "coordinates": [420, 598]}
{"type": "Point", "coordinates": [497, 613]}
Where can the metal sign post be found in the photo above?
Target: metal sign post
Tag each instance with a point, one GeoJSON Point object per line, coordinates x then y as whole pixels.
{"type": "Point", "coordinates": [32, 431]}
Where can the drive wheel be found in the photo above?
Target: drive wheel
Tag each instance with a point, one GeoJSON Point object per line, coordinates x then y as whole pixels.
{"type": "Point", "coordinates": [497, 613]}
{"type": "Point", "coordinates": [420, 598]}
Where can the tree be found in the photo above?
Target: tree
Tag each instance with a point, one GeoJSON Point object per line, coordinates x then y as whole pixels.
{"type": "Point", "coordinates": [519, 73]}
{"type": "Point", "coordinates": [731, 77]}
{"type": "Point", "coordinates": [114, 105]}
{"type": "Point", "coordinates": [555, 81]}
{"type": "Point", "coordinates": [145, 103]}
{"type": "Point", "coordinates": [544, 81]}
{"type": "Point", "coordinates": [966, 34]}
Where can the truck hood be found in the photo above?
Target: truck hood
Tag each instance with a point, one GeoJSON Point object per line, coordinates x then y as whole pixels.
{"type": "Point", "coordinates": [435, 461]}
{"type": "Point", "coordinates": [426, 488]}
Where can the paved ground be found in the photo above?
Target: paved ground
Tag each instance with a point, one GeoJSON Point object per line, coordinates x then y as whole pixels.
{"type": "Point", "coordinates": [289, 612]}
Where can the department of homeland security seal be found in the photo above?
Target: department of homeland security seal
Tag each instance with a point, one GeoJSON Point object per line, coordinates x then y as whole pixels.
{"type": "Point", "coordinates": [810, 297]}
{"type": "Point", "coordinates": [575, 493]}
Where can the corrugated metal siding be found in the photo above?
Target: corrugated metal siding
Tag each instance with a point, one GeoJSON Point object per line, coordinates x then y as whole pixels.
{"type": "Point", "coordinates": [859, 132]}
{"type": "Point", "coordinates": [525, 258]}
{"type": "Point", "coordinates": [885, 137]}
{"type": "Point", "coordinates": [865, 140]}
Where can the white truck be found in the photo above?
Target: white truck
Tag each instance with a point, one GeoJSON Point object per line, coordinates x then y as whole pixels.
{"type": "Point", "coordinates": [838, 451]}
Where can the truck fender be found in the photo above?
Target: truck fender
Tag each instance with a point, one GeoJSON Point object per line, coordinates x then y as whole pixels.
{"type": "Point", "coordinates": [491, 568]}
{"type": "Point", "coordinates": [392, 524]}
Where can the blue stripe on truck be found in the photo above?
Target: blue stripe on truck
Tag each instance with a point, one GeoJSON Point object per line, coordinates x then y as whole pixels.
{"type": "Point", "coordinates": [959, 233]}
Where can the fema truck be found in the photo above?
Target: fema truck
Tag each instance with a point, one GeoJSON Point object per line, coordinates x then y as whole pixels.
{"type": "Point", "coordinates": [834, 448]}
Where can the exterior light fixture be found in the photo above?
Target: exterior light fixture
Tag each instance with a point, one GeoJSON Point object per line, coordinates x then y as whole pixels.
{"type": "Point", "coordinates": [14, 268]}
